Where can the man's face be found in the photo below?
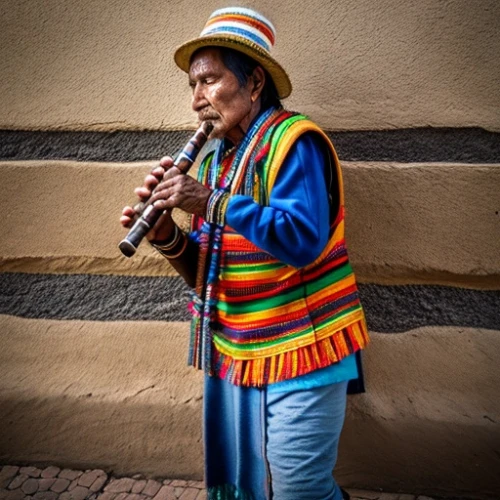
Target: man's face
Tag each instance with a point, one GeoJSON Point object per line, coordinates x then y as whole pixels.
{"type": "Point", "coordinates": [218, 97]}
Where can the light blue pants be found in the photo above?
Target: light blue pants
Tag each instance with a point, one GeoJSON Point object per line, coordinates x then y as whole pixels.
{"type": "Point", "coordinates": [303, 431]}
{"type": "Point", "coordinates": [279, 446]}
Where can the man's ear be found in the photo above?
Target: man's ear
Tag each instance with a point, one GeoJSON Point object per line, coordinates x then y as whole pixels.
{"type": "Point", "coordinates": [258, 80]}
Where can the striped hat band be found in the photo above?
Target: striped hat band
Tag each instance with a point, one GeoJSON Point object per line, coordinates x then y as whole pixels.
{"type": "Point", "coordinates": [245, 23]}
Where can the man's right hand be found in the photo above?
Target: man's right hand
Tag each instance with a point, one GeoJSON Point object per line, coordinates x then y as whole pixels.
{"type": "Point", "coordinates": [162, 230]}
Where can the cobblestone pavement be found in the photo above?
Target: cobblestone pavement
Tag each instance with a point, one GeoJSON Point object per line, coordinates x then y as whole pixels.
{"type": "Point", "coordinates": [54, 483]}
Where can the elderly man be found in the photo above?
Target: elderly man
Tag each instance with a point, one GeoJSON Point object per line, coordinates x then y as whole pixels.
{"type": "Point", "coordinates": [276, 313]}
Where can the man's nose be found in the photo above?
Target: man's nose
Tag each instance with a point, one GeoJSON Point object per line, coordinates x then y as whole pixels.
{"type": "Point", "coordinates": [198, 100]}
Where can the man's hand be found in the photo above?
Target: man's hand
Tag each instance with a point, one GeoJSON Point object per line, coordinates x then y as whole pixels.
{"type": "Point", "coordinates": [165, 225]}
{"type": "Point", "coordinates": [178, 190]}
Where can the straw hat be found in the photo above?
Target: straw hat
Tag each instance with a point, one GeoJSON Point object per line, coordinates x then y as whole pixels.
{"type": "Point", "coordinates": [244, 30]}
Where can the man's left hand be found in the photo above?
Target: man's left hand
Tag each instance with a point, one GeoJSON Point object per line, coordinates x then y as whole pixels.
{"type": "Point", "coordinates": [179, 190]}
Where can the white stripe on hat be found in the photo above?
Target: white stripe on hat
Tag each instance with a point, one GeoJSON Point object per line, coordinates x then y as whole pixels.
{"type": "Point", "coordinates": [220, 27]}
{"type": "Point", "coordinates": [245, 12]}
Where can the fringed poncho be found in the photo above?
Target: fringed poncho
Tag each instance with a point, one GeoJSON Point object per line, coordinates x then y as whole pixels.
{"type": "Point", "coordinates": [256, 319]}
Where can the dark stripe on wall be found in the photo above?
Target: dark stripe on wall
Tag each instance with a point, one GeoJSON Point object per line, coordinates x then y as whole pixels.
{"type": "Point", "coordinates": [90, 146]}
{"type": "Point", "coordinates": [111, 298]}
{"type": "Point", "coordinates": [462, 145]}
{"type": "Point", "coordinates": [93, 298]}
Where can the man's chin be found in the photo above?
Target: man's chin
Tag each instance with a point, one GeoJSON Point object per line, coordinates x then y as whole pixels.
{"type": "Point", "coordinates": [218, 131]}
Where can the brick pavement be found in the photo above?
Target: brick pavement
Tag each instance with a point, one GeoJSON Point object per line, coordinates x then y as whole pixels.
{"type": "Point", "coordinates": [54, 483]}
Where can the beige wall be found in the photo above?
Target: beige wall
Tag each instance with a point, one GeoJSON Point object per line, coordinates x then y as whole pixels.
{"type": "Point", "coordinates": [67, 64]}
{"type": "Point", "coordinates": [117, 394]}
{"type": "Point", "coordinates": [406, 223]}
{"type": "Point", "coordinates": [86, 393]}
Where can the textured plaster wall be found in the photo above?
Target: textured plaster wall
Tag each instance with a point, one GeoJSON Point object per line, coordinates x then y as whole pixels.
{"type": "Point", "coordinates": [430, 223]}
{"type": "Point", "coordinates": [68, 64]}
{"type": "Point", "coordinates": [73, 225]}
{"type": "Point", "coordinates": [119, 396]}
{"type": "Point", "coordinates": [429, 420]}
{"type": "Point", "coordinates": [406, 223]}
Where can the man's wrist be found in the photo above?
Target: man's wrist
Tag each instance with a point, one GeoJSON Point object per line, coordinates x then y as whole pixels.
{"type": "Point", "coordinates": [217, 207]}
{"type": "Point", "coordinates": [174, 247]}
{"type": "Point", "coordinates": [168, 242]}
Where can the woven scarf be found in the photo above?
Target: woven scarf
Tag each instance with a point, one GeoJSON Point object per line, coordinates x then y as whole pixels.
{"type": "Point", "coordinates": [238, 178]}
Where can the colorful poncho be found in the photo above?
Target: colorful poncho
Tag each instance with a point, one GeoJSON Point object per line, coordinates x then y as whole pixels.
{"type": "Point", "coordinates": [257, 320]}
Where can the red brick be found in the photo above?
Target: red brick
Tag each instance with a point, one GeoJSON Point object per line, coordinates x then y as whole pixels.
{"type": "Point", "coordinates": [189, 494]}
{"type": "Point", "coordinates": [106, 496]}
{"type": "Point", "coordinates": [365, 494]}
{"type": "Point", "coordinates": [152, 488]}
{"type": "Point", "coordinates": [99, 483]}
{"type": "Point", "coordinates": [123, 485]}
{"type": "Point", "coordinates": [51, 471]}
{"type": "Point", "coordinates": [46, 495]}
{"type": "Point", "coordinates": [197, 484]}
{"type": "Point", "coordinates": [6, 475]}
{"type": "Point", "coordinates": [139, 486]}
{"type": "Point", "coordinates": [202, 495]}
{"type": "Point", "coordinates": [30, 471]}
{"type": "Point", "coordinates": [30, 486]}
{"type": "Point", "coordinates": [395, 496]}
{"type": "Point", "coordinates": [45, 483]}
{"type": "Point", "coordinates": [60, 485]}
{"type": "Point", "coordinates": [17, 481]}
{"type": "Point", "coordinates": [166, 493]}
{"type": "Point", "coordinates": [87, 479]}
{"type": "Point", "coordinates": [10, 470]}
{"type": "Point", "coordinates": [12, 495]}
{"type": "Point", "coordinates": [78, 493]}
{"type": "Point", "coordinates": [69, 474]}
{"type": "Point", "coordinates": [178, 482]}
{"type": "Point", "coordinates": [73, 485]}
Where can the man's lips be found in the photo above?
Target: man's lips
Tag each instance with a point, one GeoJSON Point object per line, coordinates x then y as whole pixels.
{"type": "Point", "coordinates": [208, 118]}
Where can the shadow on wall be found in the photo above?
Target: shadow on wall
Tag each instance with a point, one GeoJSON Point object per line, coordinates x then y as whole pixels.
{"type": "Point", "coordinates": [158, 439]}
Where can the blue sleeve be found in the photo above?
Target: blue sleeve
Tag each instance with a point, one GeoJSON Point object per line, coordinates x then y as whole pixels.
{"type": "Point", "coordinates": [294, 227]}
